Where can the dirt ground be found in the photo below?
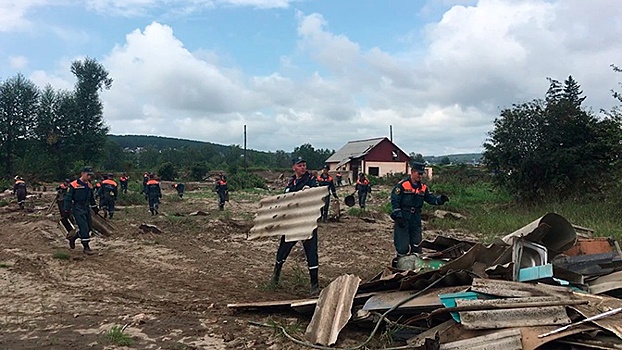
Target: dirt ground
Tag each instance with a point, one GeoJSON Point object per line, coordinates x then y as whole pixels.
{"type": "Point", "coordinates": [168, 290]}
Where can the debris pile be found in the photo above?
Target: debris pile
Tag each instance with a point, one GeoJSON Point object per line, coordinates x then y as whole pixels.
{"type": "Point", "coordinates": [548, 283]}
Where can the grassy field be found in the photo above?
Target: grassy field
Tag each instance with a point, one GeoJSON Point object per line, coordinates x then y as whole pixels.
{"type": "Point", "coordinates": [492, 213]}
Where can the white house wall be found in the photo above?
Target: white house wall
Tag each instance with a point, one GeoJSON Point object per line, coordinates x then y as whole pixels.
{"type": "Point", "coordinates": [385, 167]}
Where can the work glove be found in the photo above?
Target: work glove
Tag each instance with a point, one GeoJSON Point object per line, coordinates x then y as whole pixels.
{"type": "Point", "coordinates": [146, 197]}
{"type": "Point", "coordinates": [444, 199]}
{"type": "Point", "coordinates": [95, 209]}
{"type": "Point", "coordinates": [400, 221]}
{"type": "Point", "coordinates": [65, 214]}
{"type": "Point", "coordinates": [335, 195]}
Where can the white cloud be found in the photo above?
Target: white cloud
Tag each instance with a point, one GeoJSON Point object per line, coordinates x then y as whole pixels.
{"type": "Point", "coordinates": [18, 62]}
{"type": "Point", "coordinates": [13, 14]}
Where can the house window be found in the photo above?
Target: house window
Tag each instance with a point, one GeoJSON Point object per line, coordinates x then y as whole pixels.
{"type": "Point", "coordinates": [394, 155]}
{"type": "Point", "coordinates": [374, 170]}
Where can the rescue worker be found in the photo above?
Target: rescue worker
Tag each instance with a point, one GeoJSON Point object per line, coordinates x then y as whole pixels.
{"type": "Point", "coordinates": [301, 180]}
{"type": "Point", "coordinates": [180, 188]}
{"type": "Point", "coordinates": [123, 182]}
{"type": "Point", "coordinates": [153, 193]}
{"type": "Point", "coordinates": [79, 201]}
{"type": "Point", "coordinates": [339, 179]}
{"type": "Point", "coordinates": [19, 190]}
{"type": "Point", "coordinates": [61, 191]}
{"type": "Point", "coordinates": [363, 187]}
{"type": "Point", "coordinates": [222, 191]}
{"type": "Point", "coordinates": [108, 194]}
{"type": "Point", "coordinates": [324, 179]}
{"type": "Point", "coordinates": [407, 198]}
{"type": "Point", "coordinates": [145, 179]}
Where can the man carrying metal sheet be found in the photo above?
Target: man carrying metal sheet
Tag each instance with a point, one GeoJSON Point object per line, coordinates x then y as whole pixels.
{"type": "Point", "coordinates": [300, 181]}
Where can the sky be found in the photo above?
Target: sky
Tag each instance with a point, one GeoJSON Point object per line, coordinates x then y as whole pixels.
{"type": "Point", "coordinates": [435, 72]}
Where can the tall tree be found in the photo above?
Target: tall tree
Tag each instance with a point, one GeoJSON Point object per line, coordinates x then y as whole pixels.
{"type": "Point", "coordinates": [19, 99]}
{"type": "Point", "coordinates": [551, 148]}
{"type": "Point", "coordinates": [52, 131]}
{"type": "Point", "coordinates": [89, 137]}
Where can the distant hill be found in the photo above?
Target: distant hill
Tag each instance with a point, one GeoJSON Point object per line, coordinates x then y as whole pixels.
{"type": "Point", "coordinates": [159, 142]}
{"type": "Point", "coordinates": [464, 158]}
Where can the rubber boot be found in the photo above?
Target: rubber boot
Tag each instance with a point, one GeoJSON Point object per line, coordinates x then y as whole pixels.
{"type": "Point", "coordinates": [87, 250]}
{"type": "Point", "coordinates": [71, 237]}
{"type": "Point", "coordinates": [152, 212]}
{"type": "Point", "coordinates": [110, 215]}
{"type": "Point", "coordinates": [315, 283]}
{"type": "Point", "coordinates": [276, 275]}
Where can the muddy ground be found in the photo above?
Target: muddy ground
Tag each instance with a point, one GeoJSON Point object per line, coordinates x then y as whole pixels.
{"type": "Point", "coordinates": [169, 290]}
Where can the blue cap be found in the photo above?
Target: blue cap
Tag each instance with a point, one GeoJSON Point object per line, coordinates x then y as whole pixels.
{"type": "Point", "coordinates": [87, 169]}
{"type": "Point", "coordinates": [326, 167]}
{"type": "Point", "coordinates": [418, 167]}
{"type": "Point", "coordinates": [298, 160]}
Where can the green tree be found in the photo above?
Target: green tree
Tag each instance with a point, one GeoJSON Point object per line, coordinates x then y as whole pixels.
{"type": "Point", "coordinates": [445, 161]}
{"type": "Point", "coordinates": [52, 131]}
{"type": "Point", "coordinates": [551, 148]}
{"type": "Point", "coordinates": [19, 100]}
{"type": "Point", "coordinates": [89, 129]}
{"type": "Point", "coordinates": [315, 158]}
{"type": "Point", "coordinates": [167, 172]}
{"type": "Point", "coordinates": [416, 157]}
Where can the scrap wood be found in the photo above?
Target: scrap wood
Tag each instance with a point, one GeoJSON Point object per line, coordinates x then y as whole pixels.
{"type": "Point", "coordinates": [333, 310]}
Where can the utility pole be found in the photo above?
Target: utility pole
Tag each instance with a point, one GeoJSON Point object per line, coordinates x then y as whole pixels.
{"type": "Point", "coordinates": [245, 147]}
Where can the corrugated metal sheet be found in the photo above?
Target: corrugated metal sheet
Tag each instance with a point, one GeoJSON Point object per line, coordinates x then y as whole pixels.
{"type": "Point", "coordinates": [515, 317]}
{"type": "Point", "coordinates": [333, 310]}
{"type": "Point", "coordinates": [552, 231]}
{"type": "Point", "coordinates": [509, 339]}
{"type": "Point", "coordinates": [293, 215]}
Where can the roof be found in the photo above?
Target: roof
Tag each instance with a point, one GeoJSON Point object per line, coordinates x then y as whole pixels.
{"type": "Point", "coordinates": [354, 149]}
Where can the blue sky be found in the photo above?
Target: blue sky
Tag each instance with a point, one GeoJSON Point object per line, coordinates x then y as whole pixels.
{"type": "Point", "coordinates": [319, 72]}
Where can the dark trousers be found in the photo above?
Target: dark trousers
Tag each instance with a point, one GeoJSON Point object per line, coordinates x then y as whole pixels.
{"type": "Point", "coordinates": [124, 187]}
{"type": "Point", "coordinates": [82, 215]}
{"type": "Point", "coordinates": [324, 209]}
{"type": "Point", "coordinates": [21, 197]}
{"type": "Point", "coordinates": [108, 206]}
{"type": "Point", "coordinates": [362, 199]}
{"type": "Point", "coordinates": [222, 198]}
{"type": "Point", "coordinates": [407, 239]}
{"type": "Point", "coordinates": [310, 246]}
{"type": "Point", "coordinates": [154, 203]}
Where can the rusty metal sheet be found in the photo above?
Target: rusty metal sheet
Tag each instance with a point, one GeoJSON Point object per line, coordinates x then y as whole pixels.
{"type": "Point", "coordinates": [293, 215]}
{"type": "Point", "coordinates": [333, 310]}
{"type": "Point", "coordinates": [531, 341]}
{"type": "Point", "coordinates": [599, 304]}
{"type": "Point", "coordinates": [508, 339]}
{"type": "Point", "coordinates": [512, 289]}
{"type": "Point", "coordinates": [515, 317]}
{"type": "Point", "coordinates": [610, 284]}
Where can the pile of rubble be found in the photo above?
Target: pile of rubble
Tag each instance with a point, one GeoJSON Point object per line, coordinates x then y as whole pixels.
{"type": "Point", "coordinates": [548, 285]}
